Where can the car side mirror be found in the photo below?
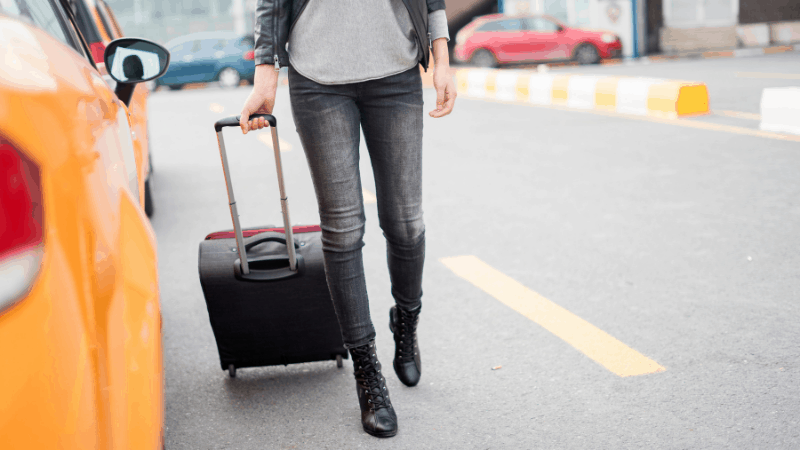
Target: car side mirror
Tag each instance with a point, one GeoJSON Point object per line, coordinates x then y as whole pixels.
{"type": "Point", "coordinates": [133, 60]}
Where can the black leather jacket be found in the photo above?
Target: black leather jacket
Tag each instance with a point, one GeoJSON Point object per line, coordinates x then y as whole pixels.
{"type": "Point", "coordinates": [275, 19]}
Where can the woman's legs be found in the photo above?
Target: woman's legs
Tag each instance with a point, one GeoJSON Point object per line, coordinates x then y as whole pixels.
{"type": "Point", "coordinates": [328, 120]}
{"type": "Point", "coordinates": [391, 117]}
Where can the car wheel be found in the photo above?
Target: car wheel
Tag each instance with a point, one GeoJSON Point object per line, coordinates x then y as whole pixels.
{"type": "Point", "coordinates": [148, 199]}
{"type": "Point", "coordinates": [176, 87]}
{"type": "Point", "coordinates": [483, 58]}
{"type": "Point", "coordinates": [587, 54]}
{"type": "Point", "coordinates": [229, 78]}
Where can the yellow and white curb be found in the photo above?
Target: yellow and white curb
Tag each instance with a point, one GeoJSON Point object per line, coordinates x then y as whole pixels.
{"type": "Point", "coordinates": [625, 95]}
{"type": "Point", "coordinates": [780, 110]}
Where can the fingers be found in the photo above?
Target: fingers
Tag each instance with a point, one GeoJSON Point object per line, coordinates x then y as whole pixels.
{"type": "Point", "coordinates": [440, 98]}
{"type": "Point", "coordinates": [243, 124]}
{"type": "Point", "coordinates": [448, 105]}
{"type": "Point", "coordinates": [449, 98]}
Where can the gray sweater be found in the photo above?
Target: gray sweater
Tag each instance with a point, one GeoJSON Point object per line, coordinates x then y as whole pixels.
{"type": "Point", "coordinates": [349, 41]}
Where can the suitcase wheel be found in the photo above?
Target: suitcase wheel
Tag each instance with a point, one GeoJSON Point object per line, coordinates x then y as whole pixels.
{"type": "Point", "coordinates": [339, 361]}
{"type": "Point", "coordinates": [232, 370]}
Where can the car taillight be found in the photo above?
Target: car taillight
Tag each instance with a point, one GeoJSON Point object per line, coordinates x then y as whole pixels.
{"type": "Point", "coordinates": [251, 55]}
{"type": "Point", "coordinates": [98, 52]}
{"type": "Point", "coordinates": [21, 223]}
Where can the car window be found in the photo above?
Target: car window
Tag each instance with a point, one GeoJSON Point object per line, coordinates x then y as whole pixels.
{"type": "Point", "coordinates": [540, 24]}
{"type": "Point", "coordinates": [196, 45]}
{"type": "Point", "coordinates": [40, 13]}
{"type": "Point", "coordinates": [220, 44]}
{"type": "Point", "coordinates": [502, 25]}
{"type": "Point", "coordinates": [108, 16]}
{"type": "Point", "coordinates": [106, 22]}
{"type": "Point", "coordinates": [84, 22]}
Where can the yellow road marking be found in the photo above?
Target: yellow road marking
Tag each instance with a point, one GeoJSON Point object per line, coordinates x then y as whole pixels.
{"type": "Point", "coordinates": [677, 122]}
{"type": "Point", "coordinates": [266, 139]}
{"type": "Point", "coordinates": [216, 107]}
{"type": "Point", "coordinates": [588, 339]}
{"type": "Point", "coordinates": [369, 197]}
{"type": "Point", "coordinates": [739, 114]}
{"type": "Point", "coordinates": [780, 76]}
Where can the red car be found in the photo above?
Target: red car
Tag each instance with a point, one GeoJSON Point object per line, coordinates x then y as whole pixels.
{"type": "Point", "coordinates": [497, 39]}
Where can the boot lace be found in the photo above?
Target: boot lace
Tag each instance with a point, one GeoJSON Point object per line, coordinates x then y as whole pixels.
{"type": "Point", "coordinates": [408, 336]}
{"type": "Point", "coordinates": [368, 375]}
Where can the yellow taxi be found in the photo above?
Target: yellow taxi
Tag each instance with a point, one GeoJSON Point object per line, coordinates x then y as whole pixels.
{"type": "Point", "coordinates": [99, 26]}
{"type": "Point", "coordinates": [80, 319]}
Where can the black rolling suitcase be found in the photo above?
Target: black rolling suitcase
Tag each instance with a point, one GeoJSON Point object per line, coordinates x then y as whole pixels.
{"type": "Point", "coordinates": [268, 301]}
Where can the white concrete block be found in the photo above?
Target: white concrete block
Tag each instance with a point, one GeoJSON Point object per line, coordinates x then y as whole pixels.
{"type": "Point", "coordinates": [581, 91]}
{"type": "Point", "coordinates": [755, 35]}
{"type": "Point", "coordinates": [780, 110]}
{"type": "Point", "coordinates": [476, 83]}
{"type": "Point", "coordinates": [785, 32]}
{"type": "Point", "coordinates": [748, 52]}
{"type": "Point", "coordinates": [507, 85]}
{"type": "Point", "coordinates": [540, 89]}
{"type": "Point", "coordinates": [632, 94]}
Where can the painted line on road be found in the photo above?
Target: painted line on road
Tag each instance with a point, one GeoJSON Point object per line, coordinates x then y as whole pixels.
{"type": "Point", "coordinates": [266, 139]}
{"type": "Point", "coordinates": [687, 123]}
{"type": "Point", "coordinates": [738, 114]}
{"type": "Point", "coordinates": [779, 76]}
{"type": "Point", "coordinates": [585, 337]}
{"type": "Point", "coordinates": [369, 197]}
{"type": "Point", "coordinates": [216, 107]}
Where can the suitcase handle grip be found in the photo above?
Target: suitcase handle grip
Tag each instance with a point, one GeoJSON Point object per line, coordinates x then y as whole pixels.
{"type": "Point", "coordinates": [233, 121]}
{"type": "Point", "coordinates": [279, 271]}
{"type": "Point", "coordinates": [255, 240]}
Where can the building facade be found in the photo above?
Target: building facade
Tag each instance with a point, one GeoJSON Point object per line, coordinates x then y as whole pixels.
{"type": "Point", "coordinates": [701, 25]}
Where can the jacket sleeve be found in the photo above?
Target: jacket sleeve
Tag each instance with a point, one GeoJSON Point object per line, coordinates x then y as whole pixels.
{"type": "Point", "coordinates": [434, 5]}
{"type": "Point", "coordinates": [437, 25]}
{"type": "Point", "coordinates": [265, 32]}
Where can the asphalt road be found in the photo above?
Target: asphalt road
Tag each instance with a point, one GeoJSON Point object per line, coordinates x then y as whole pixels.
{"type": "Point", "coordinates": [681, 243]}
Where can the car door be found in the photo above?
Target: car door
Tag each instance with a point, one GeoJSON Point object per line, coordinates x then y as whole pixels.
{"type": "Point", "coordinates": [507, 39]}
{"type": "Point", "coordinates": [544, 37]}
{"type": "Point", "coordinates": [182, 64]}
{"type": "Point", "coordinates": [208, 58]}
{"type": "Point", "coordinates": [85, 342]}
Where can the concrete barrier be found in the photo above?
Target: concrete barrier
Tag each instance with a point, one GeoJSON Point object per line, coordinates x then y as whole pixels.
{"type": "Point", "coordinates": [640, 96]}
{"type": "Point", "coordinates": [780, 110]}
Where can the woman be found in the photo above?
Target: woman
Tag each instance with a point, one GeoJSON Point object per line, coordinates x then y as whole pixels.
{"type": "Point", "coordinates": [354, 64]}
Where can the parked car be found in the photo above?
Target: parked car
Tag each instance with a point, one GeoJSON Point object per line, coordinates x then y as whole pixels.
{"type": "Point", "coordinates": [97, 23]}
{"type": "Point", "coordinates": [222, 56]}
{"type": "Point", "coordinates": [80, 321]}
{"type": "Point", "coordinates": [489, 41]}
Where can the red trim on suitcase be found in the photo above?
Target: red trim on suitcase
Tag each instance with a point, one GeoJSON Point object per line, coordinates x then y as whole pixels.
{"type": "Point", "coordinates": [248, 233]}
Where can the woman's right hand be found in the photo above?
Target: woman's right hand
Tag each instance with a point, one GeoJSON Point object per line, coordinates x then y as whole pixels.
{"type": "Point", "coordinates": [261, 100]}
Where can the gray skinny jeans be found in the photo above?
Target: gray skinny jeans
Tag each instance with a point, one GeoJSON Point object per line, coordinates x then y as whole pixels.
{"type": "Point", "coordinates": [328, 117]}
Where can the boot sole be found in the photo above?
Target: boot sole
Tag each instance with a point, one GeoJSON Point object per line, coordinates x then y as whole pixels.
{"type": "Point", "coordinates": [385, 434]}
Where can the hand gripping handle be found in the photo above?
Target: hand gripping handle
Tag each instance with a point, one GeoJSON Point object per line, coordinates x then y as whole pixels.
{"type": "Point", "coordinates": [233, 121]}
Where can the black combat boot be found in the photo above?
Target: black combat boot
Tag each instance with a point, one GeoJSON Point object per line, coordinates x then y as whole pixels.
{"type": "Point", "coordinates": [377, 414]}
{"type": "Point", "coordinates": [407, 363]}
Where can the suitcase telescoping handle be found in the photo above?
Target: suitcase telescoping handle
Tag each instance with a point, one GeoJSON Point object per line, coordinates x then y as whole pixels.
{"type": "Point", "coordinates": [233, 121]}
